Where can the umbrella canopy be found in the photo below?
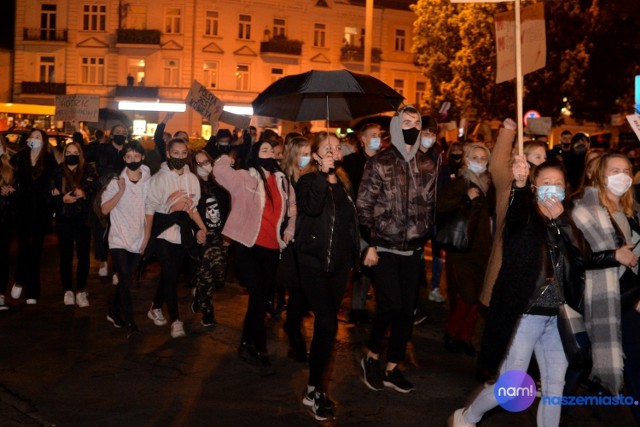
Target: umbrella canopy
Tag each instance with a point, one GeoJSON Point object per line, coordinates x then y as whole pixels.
{"type": "Point", "coordinates": [330, 95]}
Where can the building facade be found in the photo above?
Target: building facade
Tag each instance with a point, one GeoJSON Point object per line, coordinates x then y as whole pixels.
{"type": "Point", "coordinates": [152, 50]}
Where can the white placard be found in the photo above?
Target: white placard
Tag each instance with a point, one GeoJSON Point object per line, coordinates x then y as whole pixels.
{"type": "Point", "coordinates": [634, 121]}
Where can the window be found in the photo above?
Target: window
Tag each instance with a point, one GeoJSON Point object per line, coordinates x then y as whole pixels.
{"type": "Point", "coordinates": [211, 75]}
{"type": "Point", "coordinates": [172, 20]}
{"type": "Point", "coordinates": [350, 35]}
{"type": "Point", "coordinates": [136, 69]}
{"type": "Point", "coordinates": [94, 17]}
{"type": "Point", "coordinates": [47, 69]}
{"type": "Point", "coordinates": [421, 90]}
{"type": "Point", "coordinates": [279, 27]}
{"type": "Point", "coordinates": [319, 35]}
{"type": "Point", "coordinates": [92, 71]}
{"type": "Point", "coordinates": [211, 23]}
{"type": "Point", "coordinates": [276, 74]}
{"type": "Point", "coordinates": [244, 29]}
{"type": "Point", "coordinates": [48, 22]}
{"type": "Point", "coordinates": [401, 36]}
{"type": "Point", "coordinates": [242, 77]}
{"type": "Point", "coordinates": [398, 85]}
{"type": "Point", "coordinates": [170, 72]}
{"type": "Point", "coordinates": [137, 17]}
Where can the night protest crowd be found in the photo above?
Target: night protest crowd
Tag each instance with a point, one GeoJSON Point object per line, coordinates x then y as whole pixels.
{"type": "Point", "coordinates": [305, 217]}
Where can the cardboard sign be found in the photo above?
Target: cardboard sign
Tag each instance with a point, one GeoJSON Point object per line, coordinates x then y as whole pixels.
{"type": "Point", "coordinates": [204, 102]}
{"type": "Point", "coordinates": [237, 120]}
{"type": "Point", "coordinates": [634, 121]}
{"type": "Point", "coordinates": [82, 108]}
{"type": "Point", "coordinates": [539, 125]}
{"type": "Point", "coordinates": [534, 42]}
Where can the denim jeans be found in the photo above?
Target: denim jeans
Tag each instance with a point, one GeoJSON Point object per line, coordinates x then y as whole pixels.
{"type": "Point", "coordinates": [537, 334]}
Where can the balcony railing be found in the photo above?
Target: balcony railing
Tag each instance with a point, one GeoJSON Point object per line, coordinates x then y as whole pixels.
{"type": "Point", "coordinates": [45, 34]}
{"type": "Point", "coordinates": [356, 54]}
{"type": "Point", "coordinates": [133, 36]}
{"type": "Point", "coordinates": [137, 92]}
{"type": "Point", "coordinates": [281, 44]}
{"type": "Point", "coordinates": [43, 88]}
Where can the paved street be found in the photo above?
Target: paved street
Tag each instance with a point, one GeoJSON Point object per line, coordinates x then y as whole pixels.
{"type": "Point", "coordinates": [67, 366]}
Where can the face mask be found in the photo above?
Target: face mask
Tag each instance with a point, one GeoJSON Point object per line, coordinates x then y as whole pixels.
{"type": "Point", "coordinates": [374, 144]}
{"type": "Point", "coordinates": [134, 166]}
{"type": "Point", "coordinates": [410, 135]}
{"type": "Point", "coordinates": [427, 141]}
{"type": "Point", "coordinates": [72, 159]}
{"type": "Point", "coordinates": [547, 191]}
{"type": "Point", "coordinates": [34, 143]}
{"type": "Point", "coordinates": [580, 149]}
{"type": "Point", "coordinates": [619, 183]}
{"type": "Point", "coordinates": [204, 171]}
{"type": "Point", "coordinates": [267, 164]}
{"type": "Point", "coordinates": [477, 167]}
{"type": "Point", "coordinates": [119, 139]}
{"type": "Point", "coordinates": [303, 161]}
{"type": "Point", "coordinates": [456, 157]}
{"type": "Point", "coordinates": [176, 163]}
{"type": "Point", "coordinates": [223, 143]}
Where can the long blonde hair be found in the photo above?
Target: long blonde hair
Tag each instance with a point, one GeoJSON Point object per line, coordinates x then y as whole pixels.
{"type": "Point", "coordinates": [319, 138]}
{"type": "Point", "coordinates": [289, 163]}
{"type": "Point", "coordinates": [600, 182]}
{"type": "Point", "coordinates": [6, 170]}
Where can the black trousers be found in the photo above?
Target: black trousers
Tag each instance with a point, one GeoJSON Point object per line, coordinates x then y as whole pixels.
{"type": "Point", "coordinates": [396, 285]}
{"type": "Point", "coordinates": [256, 267]}
{"type": "Point", "coordinates": [324, 292]}
{"type": "Point", "coordinates": [30, 242]}
{"type": "Point", "coordinates": [100, 238]}
{"type": "Point", "coordinates": [171, 257]}
{"type": "Point", "coordinates": [74, 235]}
{"type": "Point", "coordinates": [125, 264]}
{"type": "Point", "coordinates": [5, 253]}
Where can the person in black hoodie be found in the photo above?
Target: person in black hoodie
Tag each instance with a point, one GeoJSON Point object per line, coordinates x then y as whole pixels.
{"type": "Point", "coordinates": [34, 167]}
{"type": "Point", "coordinates": [327, 245]}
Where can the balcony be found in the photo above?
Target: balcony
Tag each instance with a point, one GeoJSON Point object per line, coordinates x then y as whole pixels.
{"type": "Point", "coordinates": [133, 36]}
{"type": "Point", "coordinates": [43, 88]}
{"type": "Point", "coordinates": [281, 44]}
{"type": "Point", "coordinates": [356, 54]}
{"type": "Point", "coordinates": [137, 92]}
{"type": "Point", "coordinates": [45, 34]}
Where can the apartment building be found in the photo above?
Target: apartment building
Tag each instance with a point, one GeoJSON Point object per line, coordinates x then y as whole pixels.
{"type": "Point", "coordinates": [152, 50]}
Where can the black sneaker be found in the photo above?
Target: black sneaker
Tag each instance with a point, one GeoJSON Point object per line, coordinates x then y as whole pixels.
{"type": "Point", "coordinates": [208, 319]}
{"type": "Point", "coordinates": [247, 353]}
{"type": "Point", "coordinates": [132, 330]}
{"type": "Point", "coordinates": [194, 306]}
{"type": "Point", "coordinates": [372, 373]}
{"type": "Point", "coordinates": [395, 380]}
{"type": "Point", "coordinates": [265, 366]}
{"type": "Point", "coordinates": [321, 407]}
{"type": "Point", "coordinates": [115, 320]}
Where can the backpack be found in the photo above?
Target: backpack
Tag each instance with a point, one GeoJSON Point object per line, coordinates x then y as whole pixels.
{"type": "Point", "coordinates": [104, 182]}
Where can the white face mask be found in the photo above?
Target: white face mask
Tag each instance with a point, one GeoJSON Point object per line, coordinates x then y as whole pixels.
{"type": "Point", "coordinates": [427, 141]}
{"type": "Point", "coordinates": [204, 171]}
{"type": "Point", "coordinates": [34, 143]}
{"type": "Point", "coordinates": [304, 161]}
{"type": "Point", "coordinates": [619, 183]}
{"type": "Point", "coordinates": [477, 167]}
{"type": "Point", "coordinates": [374, 144]}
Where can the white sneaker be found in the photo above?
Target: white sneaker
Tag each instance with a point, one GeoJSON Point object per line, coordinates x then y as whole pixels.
{"type": "Point", "coordinates": [16, 291]}
{"type": "Point", "coordinates": [32, 301]}
{"type": "Point", "coordinates": [457, 419]}
{"type": "Point", "coordinates": [69, 298]}
{"type": "Point", "coordinates": [177, 329]}
{"type": "Point", "coordinates": [3, 306]}
{"type": "Point", "coordinates": [81, 299]}
{"type": "Point", "coordinates": [114, 279]}
{"type": "Point", "coordinates": [436, 296]}
{"type": "Point", "coordinates": [156, 315]}
{"type": "Point", "coordinates": [103, 271]}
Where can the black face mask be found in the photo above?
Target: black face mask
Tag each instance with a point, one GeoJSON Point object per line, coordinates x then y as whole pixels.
{"type": "Point", "coordinates": [119, 139]}
{"type": "Point", "coordinates": [176, 163]}
{"type": "Point", "coordinates": [456, 157]}
{"type": "Point", "coordinates": [72, 159]}
{"type": "Point", "coordinates": [580, 149]}
{"type": "Point", "coordinates": [410, 135]}
{"type": "Point", "coordinates": [267, 164]}
{"type": "Point", "coordinates": [134, 166]}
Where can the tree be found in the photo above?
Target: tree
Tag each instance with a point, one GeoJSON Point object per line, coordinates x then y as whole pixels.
{"type": "Point", "coordinates": [591, 58]}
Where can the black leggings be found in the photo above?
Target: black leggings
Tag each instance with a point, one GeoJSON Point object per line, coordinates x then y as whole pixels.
{"type": "Point", "coordinates": [171, 257]}
{"type": "Point", "coordinates": [74, 235]}
{"type": "Point", "coordinates": [124, 263]}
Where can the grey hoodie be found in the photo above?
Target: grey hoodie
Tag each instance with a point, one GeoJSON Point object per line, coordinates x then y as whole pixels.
{"type": "Point", "coordinates": [397, 138]}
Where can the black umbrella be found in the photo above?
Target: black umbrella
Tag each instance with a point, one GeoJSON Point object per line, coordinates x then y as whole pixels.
{"type": "Point", "coordinates": [330, 95]}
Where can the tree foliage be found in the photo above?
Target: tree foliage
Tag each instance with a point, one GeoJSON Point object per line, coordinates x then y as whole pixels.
{"type": "Point", "coordinates": [592, 52]}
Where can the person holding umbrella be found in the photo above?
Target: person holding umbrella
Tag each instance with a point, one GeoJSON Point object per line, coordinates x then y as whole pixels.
{"type": "Point", "coordinates": [395, 205]}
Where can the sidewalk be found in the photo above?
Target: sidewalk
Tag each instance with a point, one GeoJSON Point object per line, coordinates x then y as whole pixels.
{"type": "Point", "coordinates": [66, 366]}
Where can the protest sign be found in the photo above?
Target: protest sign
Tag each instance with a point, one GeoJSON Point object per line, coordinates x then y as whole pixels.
{"type": "Point", "coordinates": [539, 125]}
{"type": "Point", "coordinates": [634, 121]}
{"type": "Point", "coordinates": [204, 102]}
{"type": "Point", "coordinates": [237, 120]}
{"type": "Point", "coordinates": [82, 108]}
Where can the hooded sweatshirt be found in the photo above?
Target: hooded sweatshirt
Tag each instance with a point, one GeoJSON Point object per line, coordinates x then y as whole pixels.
{"type": "Point", "coordinates": [397, 195]}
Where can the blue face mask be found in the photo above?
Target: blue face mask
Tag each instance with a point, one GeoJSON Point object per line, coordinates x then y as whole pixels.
{"type": "Point", "coordinates": [374, 144]}
{"type": "Point", "coordinates": [546, 191]}
{"type": "Point", "coordinates": [304, 161]}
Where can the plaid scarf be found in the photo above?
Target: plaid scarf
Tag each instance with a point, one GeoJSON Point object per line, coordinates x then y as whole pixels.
{"type": "Point", "coordinates": [601, 293]}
